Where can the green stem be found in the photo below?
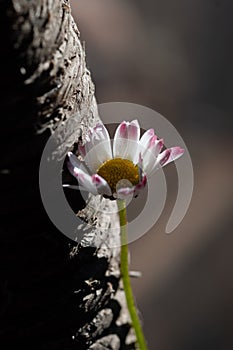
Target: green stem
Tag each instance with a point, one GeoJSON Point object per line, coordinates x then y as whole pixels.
{"type": "Point", "coordinates": [125, 276]}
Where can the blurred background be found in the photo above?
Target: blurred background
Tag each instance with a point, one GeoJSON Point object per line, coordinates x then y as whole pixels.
{"type": "Point", "coordinates": [176, 58]}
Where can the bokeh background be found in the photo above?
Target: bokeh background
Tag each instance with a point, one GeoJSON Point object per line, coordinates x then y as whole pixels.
{"type": "Point", "coordinates": [176, 57]}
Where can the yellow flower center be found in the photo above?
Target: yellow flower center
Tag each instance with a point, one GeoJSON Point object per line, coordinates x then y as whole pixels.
{"type": "Point", "coordinates": [117, 169]}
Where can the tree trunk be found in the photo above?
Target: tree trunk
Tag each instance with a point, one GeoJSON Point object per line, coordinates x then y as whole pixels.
{"type": "Point", "coordinates": [54, 294]}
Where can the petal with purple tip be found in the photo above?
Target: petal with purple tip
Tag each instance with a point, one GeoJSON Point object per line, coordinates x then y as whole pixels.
{"type": "Point", "coordinates": [167, 156]}
{"type": "Point", "coordinates": [146, 138]}
{"type": "Point", "coordinates": [84, 179]}
{"type": "Point", "coordinates": [164, 157]}
{"type": "Point", "coordinates": [172, 154]}
{"type": "Point", "coordinates": [150, 154]}
{"type": "Point", "coordinates": [123, 193]}
{"type": "Point", "coordinates": [142, 183]}
{"type": "Point", "coordinates": [98, 147]}
{"type": "Point", "coordinates": [74, 161]}
{"type": "Point", "coordinates": [126, 138]}
{"type": "Point", "coordinates": [101, 185]}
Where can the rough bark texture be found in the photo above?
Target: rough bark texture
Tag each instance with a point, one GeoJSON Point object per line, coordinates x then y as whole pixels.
{"type": "Point", "coordinates": [54, 294]}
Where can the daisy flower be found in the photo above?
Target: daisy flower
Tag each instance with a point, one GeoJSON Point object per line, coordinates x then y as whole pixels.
{"type": "Point", "coordinates": [122, 169]}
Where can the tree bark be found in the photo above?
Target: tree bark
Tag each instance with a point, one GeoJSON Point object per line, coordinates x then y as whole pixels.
{"type": "Point", "coordinates": [54, 294]}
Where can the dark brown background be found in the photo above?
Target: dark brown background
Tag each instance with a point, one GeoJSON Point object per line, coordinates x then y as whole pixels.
{"type": "Point", "coordinates": [176, 57]}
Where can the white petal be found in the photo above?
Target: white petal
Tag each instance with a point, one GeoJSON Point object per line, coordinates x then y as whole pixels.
{"type": "Point", "coordinates": [98, 147]}
{"type": "Point", "coordinates": [133, 141]}
{"type": "Point", "coordinates": [140, 166]}
{"type": "Point", "coordinates": [125, 143]}
{"type": "Point", "coordinates": [125, 192]}
{"type": "Point", "coordinates": [161, 159]}
{"type": "Point", "coordinates": [139, 187]}
{"type": "Point", "coordinates": [175, 153]}
{"type": "Point", "coordinates": [120, 140]}
{"type": "Point", "coordinates": [75, 162]}
{"type": "Point", "coordinates": [72, 187]}
{"type": "Point", "coordinates": [167, 156]}
{"type": "Point", "coordinates": [149, 146]}
{"type": "Point", "coordinates": [101, 185]}
{"type": "Point", "coordinates": [146, 138]}
{"type": "Point", "coordinates": [142, 183]}
{"type": "Point", "coordinates": [134, 130]}
{"type": "Point", "coordinates": [84, 179]}
{"type": "Point", "coordinates": [150, 155]}
{"type": "Point", "coordinates": [94, 184]}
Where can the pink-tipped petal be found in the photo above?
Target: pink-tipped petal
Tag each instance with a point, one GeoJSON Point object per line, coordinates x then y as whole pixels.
{"type": "Point", "coordinates": [176, 152]}
{"type": "Point", "coordinates": [101, 185]}
{"type": "Point", "coordinates": [123, 193]}
{"type": "Point", "coordinates": [139, 187]}
{"type": "Point", "coordinates": [133, 141]}
{"type": "Point", "coordinates": [164, 157]}
{"type": "Point", "coordinates": [142, 183]}
{"type": "Point", "coordinates": [98, 149]}
{"type": "Point", "coordinates": [140, 166]}
{"type": "Point", "coordinates": [149, 146]}
{"type": "Point", "coordinates": [120, 140]}
{"type": "Point", "coordinates": [171, 155]}
{"type": "Point", "coordinates": [84, 179]}
{"type": "Point", "coordinates": [140, 160]}
{"type": "Point", "coordinates": [71, 187]}
{"type": "Point", "coordinates": [126, 138]}
{"type": "Point", "coordinates": [134, 130]}
{"type": "Point", "coordinates": [75, 162]}
{"type": "Point", "coordinates": [150, 154]}
{"type": "Point", "coordinates": [157, 147]}
{"type": "Point", "coordinates": [122, 130]}
{"type": "Point", "coordinates": [146, 138]}
{"type": "Point", "coordinates": [148, 141]}
{"type": "Point", "coordinates": [154, 162]}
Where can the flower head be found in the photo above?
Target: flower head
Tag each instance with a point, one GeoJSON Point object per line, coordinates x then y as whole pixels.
{"type": "Point", "coordinates": [122, 169]}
